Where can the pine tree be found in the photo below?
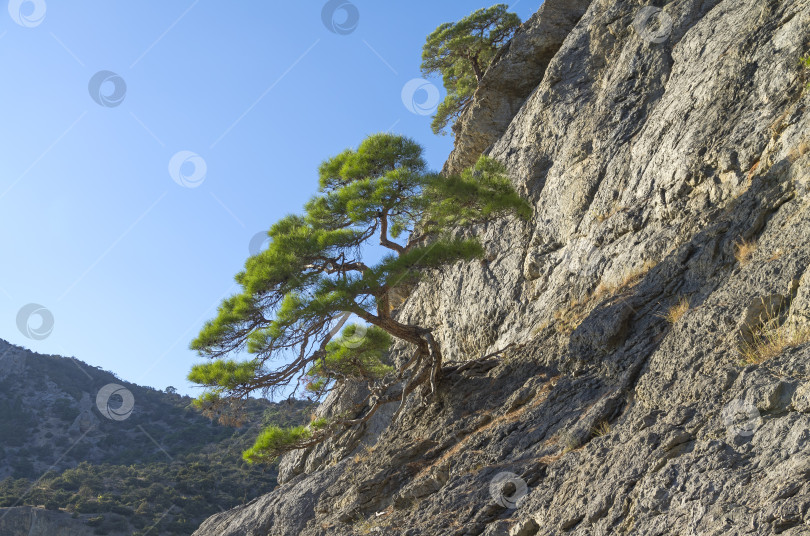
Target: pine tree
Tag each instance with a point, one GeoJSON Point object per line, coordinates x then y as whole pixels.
{"type": "Point", "coordinates": [299, 293]}
{"type": "Point", "coordinates": [461, 52]}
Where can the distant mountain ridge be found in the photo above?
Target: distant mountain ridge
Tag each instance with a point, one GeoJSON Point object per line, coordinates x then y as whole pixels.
{"type": "Point", "coordinates": [121, 457]}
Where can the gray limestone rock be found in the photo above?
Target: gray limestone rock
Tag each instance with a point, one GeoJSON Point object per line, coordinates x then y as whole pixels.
{"type": "Point", "coordinates": [650, 143]}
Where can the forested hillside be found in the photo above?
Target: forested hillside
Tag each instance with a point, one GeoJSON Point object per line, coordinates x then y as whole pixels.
{"type": "Point", "coordinates": [163, 466]}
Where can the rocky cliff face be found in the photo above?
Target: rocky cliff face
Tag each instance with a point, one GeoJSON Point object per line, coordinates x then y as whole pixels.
{"type": "Point", "coordinates": [514, 73]}
{"type": "Point", "coordinates": [654, 312]}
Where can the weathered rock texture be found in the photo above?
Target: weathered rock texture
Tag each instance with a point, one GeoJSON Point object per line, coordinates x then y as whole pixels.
{"type": "Point", "coordinates": [513, 75]}
{"type": "Point", "coordinates": [664, 162]}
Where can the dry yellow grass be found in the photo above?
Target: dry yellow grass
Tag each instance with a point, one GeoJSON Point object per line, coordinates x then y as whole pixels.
{"type": "Point", "coordinates": [570, 443]}
{"type": "Point", "coordinates": [744, 250]}
{"type": "Point", "coordinates": [770, 341]}
{"type": "Point", "coordinates": [629, 279]}
{"type": "Point", "coordinates": [752, 171]}
{"type": "Point", "coordinates": [602, 428]}
{"type": "Point", "coordinates": [676, 312]}
{"type": "Point", "coordinates": [365, 454]}
{"type": "Point", "coordinates": [776, 255]}
{"type": "Point", "coordinates": [797, 152]}
{"type": "Point", "coordinates": [567, 319]}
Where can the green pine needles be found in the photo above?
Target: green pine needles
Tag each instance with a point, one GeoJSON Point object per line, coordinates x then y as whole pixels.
{"type": "Point", "coordinates": [274, 439]}
{"type": "Point", "coordinates": [357, 355]}
{"type": "Point", "coordinates": [298, 294]}
{"type": "Point", "coordinates": [461, 51]}
{"type": "Point", "coordinates": [805, 62]}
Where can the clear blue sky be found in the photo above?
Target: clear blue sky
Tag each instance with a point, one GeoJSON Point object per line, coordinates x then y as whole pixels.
{"type": "Point", "coordinates": [92, 225]}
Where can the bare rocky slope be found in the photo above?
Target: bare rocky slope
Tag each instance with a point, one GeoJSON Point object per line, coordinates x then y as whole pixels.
{"type": "Point", "coordinates": [667, 160]}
